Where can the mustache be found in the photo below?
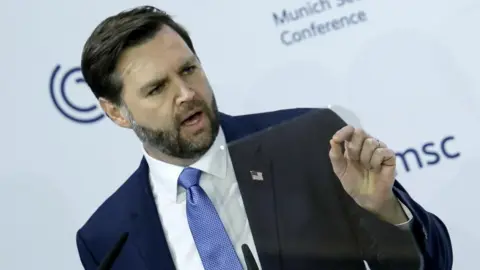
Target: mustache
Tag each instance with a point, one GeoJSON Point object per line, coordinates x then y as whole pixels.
{"type": "Point", "coordinates": [188, 108]}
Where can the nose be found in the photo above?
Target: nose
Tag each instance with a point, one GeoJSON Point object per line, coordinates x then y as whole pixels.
{"type": "Point", "coordinates": [184, 92]}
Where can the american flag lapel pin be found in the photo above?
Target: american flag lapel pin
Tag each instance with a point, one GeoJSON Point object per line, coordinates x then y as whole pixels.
{"type": "Point", "coordinates": [257, 176]}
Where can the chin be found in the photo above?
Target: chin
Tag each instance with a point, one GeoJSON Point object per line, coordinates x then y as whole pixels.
{"type": "Point", "coordinates": [203, 140]}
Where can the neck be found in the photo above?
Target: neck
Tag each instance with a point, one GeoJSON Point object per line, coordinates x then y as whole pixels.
{"type": "Point", "coordinates": [153, 152]}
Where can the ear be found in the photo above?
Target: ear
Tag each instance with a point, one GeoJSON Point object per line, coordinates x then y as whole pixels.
{"type": "Point", "coordinates": [114, 112]}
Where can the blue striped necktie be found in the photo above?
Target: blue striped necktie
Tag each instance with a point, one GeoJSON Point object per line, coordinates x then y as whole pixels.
{"type": "Point", "coordinates": [211, 239]}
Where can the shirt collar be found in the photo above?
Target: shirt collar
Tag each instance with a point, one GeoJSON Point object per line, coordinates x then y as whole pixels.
{"type": "Point", "coordinates": [165, 176]}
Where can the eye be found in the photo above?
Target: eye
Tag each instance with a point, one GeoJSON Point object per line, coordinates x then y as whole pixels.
{"type": "Point", "coordinates": [188, 70]}
{"type": "Point", "coordinates": [156, 90]}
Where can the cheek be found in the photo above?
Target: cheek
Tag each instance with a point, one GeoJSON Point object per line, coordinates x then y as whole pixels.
{"type": "Point", "coordinates": [154, 117]}
{"type": "Point", "coordinates": [203, 86]}
{"type": "Point", "coordinates": [208, 98]}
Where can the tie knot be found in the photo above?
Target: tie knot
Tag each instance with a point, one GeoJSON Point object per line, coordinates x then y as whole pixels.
{"type": "Point", "coordinates": [189, 177]}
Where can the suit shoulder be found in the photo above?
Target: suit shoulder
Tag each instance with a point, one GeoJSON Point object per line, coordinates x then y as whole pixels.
{"type": "Point", "coordinates": [282, 113]}
{"type": "Point", "coordinates": [276, 117]}
{"type": "Point", "coordinates": [266, 119]}
{"type": "Point", "coordinates": [111, 215]}
{"type": "Point", "coordinates": [237, 127]}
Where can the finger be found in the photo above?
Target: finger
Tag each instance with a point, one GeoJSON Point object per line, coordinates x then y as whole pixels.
{"type": "Point", "coordinates": [382, 144]}
{"type": "Point", "coordinates": [369, 146]}
{"type": "Point", "coordinates": [337, 158]}
{"type": "Point", "coordinates": [382, 157]}
{"type": "Point", "coordinates": [336, 152]}
{"type": "Point", "coordinates": [343, 134]}
{"type": "Point", "coordinates": [355, 145]}
{"type": "Point", "coordinates": [389, 158]}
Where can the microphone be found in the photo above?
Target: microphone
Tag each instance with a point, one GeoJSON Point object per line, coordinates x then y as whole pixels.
{"type": "Point", "coordinates": [108, 260]}
{"type": "Point", "coordinates": [249, 259]}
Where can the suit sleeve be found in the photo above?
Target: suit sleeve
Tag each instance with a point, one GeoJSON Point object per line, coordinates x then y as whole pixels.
{"type": "Point", "coordinates": [429, 231]}
{"type": "Point", "coordinates": [86, 256]}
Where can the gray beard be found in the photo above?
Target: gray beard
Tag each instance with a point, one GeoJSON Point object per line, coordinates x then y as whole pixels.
{"type": "Point", "coordinates": [170, 142]}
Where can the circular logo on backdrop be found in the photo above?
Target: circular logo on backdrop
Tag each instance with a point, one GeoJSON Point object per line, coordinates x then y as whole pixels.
{"type": "Point", "coordinates": [60, 84]}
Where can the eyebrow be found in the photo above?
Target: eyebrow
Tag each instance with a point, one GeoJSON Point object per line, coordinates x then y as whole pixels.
{"type": "Point", "coordinates": [159, 81]}
{"type": "Point", "coordinates": [152, 84]}
{"type": "Point", "coordinates": [190, 60]}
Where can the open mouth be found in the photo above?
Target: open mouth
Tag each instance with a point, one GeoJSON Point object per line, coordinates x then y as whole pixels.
{"type": "Point", "coordinates": [192, 119]}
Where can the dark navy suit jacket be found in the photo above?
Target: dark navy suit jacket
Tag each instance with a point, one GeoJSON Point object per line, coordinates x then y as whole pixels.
{"type": "Point", "coordinates": [132, 209]}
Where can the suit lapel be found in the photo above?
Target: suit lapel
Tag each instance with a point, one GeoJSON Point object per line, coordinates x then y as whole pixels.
{"type": "Point", "coordinates": [254, 177]}
{"type": "Point", "coordinates": [147, 230]}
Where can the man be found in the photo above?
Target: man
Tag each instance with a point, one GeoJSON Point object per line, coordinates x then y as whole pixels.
{"type": "Point", "coordinates": [182, 207]}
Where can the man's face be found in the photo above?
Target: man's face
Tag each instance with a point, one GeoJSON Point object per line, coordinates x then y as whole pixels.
{"type": "Point", "coordinates": [167, 98]}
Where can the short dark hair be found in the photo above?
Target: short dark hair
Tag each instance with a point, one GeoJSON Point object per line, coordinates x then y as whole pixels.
{"type": "Point", "coordinates": [112, 37]}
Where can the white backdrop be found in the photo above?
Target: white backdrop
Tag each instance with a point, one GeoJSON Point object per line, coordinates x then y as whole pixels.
{"type": "Point", "coordinates": [407, 69]}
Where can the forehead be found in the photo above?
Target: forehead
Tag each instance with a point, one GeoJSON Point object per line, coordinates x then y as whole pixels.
{"type": "Point", "coordinates": [166, 51]}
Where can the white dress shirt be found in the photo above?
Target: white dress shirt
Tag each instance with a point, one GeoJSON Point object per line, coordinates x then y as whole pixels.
{"type": "Point", "coordinates": [219, 182]}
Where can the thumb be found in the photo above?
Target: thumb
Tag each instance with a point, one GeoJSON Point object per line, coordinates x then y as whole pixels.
{"type": "Point", "coordinates": [339, 162]}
